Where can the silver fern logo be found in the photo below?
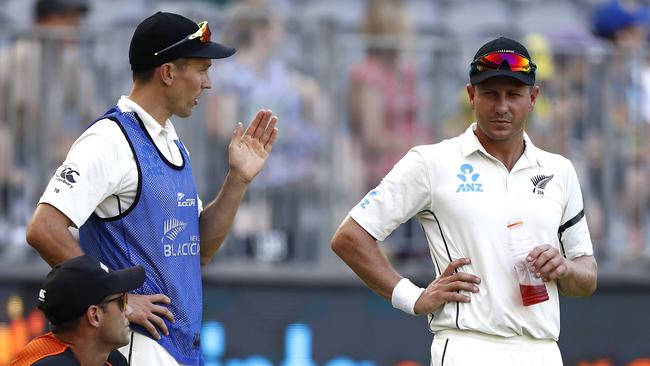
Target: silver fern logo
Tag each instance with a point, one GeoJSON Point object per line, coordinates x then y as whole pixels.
{"type": "Point", "coordinates": [540, 182]}
{"type": "Point", "coordinates": [172, 228]}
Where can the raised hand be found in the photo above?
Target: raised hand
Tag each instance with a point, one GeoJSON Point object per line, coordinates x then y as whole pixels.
{"type": "Point", "coordinates": [248, 151]}
{"type": "Point", "coordinates": [145, 311]}
{"type": "Point", "coordinates": [446, 287]}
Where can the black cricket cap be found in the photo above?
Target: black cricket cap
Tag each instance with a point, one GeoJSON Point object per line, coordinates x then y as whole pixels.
{"type": "Point", "coordinates": [77, 283]}
{"type": "Point", "coordinates": [162, 30]}
{"type": "Point", "coordinates": [498, 45]}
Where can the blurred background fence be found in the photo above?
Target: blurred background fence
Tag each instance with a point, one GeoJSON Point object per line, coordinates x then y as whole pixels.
{"type": "Point", "coordinates": [354, 84]}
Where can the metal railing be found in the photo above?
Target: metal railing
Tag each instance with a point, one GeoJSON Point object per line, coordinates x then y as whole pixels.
{"type": "Point", "coordinates": [592, 109]}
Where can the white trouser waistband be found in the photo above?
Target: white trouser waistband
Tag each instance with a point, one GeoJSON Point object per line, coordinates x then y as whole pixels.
{"type": "Point", "coordinates": [515, 342]}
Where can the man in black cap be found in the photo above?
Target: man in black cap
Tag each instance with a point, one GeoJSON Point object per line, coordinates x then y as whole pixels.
{"type": "Point", "coordinates": [86, 304]}
{"type": "Point", "coordinates": [464, 191]}
{"type": "Point", "coordinates": [61, 12]}
{"type": "Point", "coordinates": [127, 184]}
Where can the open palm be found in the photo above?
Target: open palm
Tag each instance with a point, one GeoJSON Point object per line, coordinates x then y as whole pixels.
{"type": "Point", "coordinates": [248, 151]}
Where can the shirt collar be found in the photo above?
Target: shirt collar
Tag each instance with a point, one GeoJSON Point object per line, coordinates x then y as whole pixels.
{"type": "Point", "coordinates": [469, 144]}
{"type": "Point", "coordinates": [153, 127]}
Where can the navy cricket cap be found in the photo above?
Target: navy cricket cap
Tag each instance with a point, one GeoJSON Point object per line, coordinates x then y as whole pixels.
{"type": "Point", "coordinates": [506, 45]}
{"type": "Point", "coordinates": [77, 283]}
{"type": "Point", "coordinates": [151, 41]}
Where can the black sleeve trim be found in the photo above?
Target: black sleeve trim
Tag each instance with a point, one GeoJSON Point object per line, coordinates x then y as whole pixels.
{"type": "Point", "coordinates": [574, 220]}
{"type": "Point", "coordinates": [571, 222]}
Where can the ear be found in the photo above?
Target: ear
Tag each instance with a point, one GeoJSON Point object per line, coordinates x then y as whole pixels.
{"type": "Point", "coordinates": [94, 316]}
{"type": "Point", "coordinates": [534, 92]}
{"type": "Point", "coordinates": [471, 93]}
{"type": "Point", "coordinates": [167, 73]}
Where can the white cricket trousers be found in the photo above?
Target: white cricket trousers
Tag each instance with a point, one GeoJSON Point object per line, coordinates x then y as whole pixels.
{"type": "Point", "coordinates": [460, 348]}
{"type": "Point", "coordinates": [144, 351]}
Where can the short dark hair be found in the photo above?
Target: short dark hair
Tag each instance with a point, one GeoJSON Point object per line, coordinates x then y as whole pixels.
{"type": "Point", "coordinates": [145, 76]}
{"type": "Point", "coordinates": [71, 325]}
{"type": "Point", "coordinates": [45, 8]}
{"type": "Point", "coordinates": [65, 327]}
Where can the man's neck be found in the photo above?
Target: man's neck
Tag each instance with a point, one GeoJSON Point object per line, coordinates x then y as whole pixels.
{"type": "Point", "coordinates": [150, 102]}
{"type": "Point", "coordinates": [86, 349]}
{"type": "Point", "coordinates": [507, 152]}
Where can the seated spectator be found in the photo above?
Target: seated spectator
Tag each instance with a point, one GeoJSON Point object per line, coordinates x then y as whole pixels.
{"type": "Point", "coordinates": [383, 102]}
{"type": "Point", "coordinates": [257, 76]}
{"type": "Point", "coordinates": [47, 96]}
{"type": "Point", "coordinates": [383, 92]}
{"type": "Point", "coordinates": [623, 27]}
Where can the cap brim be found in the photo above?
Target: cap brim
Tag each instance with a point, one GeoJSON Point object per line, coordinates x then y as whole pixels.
{"type": "Point", "coordinates": [211, 50]}
{"type": "Point", "coordinates": [126, 279]}
{"type": "Point", "coordinates": [482, 76]}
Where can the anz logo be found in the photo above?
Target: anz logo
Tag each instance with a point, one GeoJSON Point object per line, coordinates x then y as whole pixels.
{"type": "Point", "coordinates": [468, 180]}
{"type": "Point", "coordinates": [366, 201]}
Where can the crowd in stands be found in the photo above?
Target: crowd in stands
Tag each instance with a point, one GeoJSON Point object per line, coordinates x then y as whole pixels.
{"type": "Point", "coordinates": [355, 84]}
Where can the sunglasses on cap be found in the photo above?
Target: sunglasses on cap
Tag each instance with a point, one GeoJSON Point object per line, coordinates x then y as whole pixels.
{"type": "Point", "coordinates": [494, 61]}
{"type": "Point", "coordinates": [203, 34]}
{"type": "Point", "coordinates": [122, 301]}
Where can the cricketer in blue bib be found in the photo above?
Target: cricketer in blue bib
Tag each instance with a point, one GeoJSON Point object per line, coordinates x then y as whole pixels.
{"type": "Point", "coordinates": [160, 231]}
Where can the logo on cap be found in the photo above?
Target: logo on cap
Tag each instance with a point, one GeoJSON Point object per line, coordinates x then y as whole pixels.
{"type": "Point", "coordinates": [104, 267]}
{"type": "Point", "coordinates": [41, 295]}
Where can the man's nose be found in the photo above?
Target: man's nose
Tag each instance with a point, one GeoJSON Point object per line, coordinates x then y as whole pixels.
{"type": "Point", "coordinates": [501, 106]}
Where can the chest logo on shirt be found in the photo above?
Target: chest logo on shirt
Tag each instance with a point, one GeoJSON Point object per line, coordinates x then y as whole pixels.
{"type": "Point", "coordinates": [469, 180]}
{"type": "Point", "coordinates": [172, 228]}
{"type": "Point", "coordinates": [182, 247]}
{"type": "Point", "coordinates": [540, 181]}
{"type": "Point", "coordinates": [187, 202]}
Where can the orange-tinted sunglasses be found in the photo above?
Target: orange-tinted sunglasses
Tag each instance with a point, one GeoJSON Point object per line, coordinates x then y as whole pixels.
{"type": "Point", "coordinates": [495, 60]}
{"type": "Point", "coordinates": [122, 301]}
{"type": "Point", "coordinates": [203, 34]}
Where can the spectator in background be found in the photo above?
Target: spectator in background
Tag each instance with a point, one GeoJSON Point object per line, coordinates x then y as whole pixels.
{"type": "Point", "coordinates": [383, 91]}
{"type": "Point", "coordinates": [86, 305]}
{"type": "Point", "coordinates": [47, 95]}
{"type": "Point", "coordinates": [257, 75]}
{"type": "Point", "coordinates": [623, 24]}
{"type": "Point", "coordinates": [383, 105]}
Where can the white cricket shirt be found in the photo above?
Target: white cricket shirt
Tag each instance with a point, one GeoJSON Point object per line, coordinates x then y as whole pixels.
{"type": "Point", "coordinates": [100, 167]}
{"type": "Point", "coordinates": [464, 197]}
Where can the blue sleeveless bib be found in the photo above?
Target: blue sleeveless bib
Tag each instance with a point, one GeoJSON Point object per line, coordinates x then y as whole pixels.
{"type": "Point", "coordinates": [160, 231]}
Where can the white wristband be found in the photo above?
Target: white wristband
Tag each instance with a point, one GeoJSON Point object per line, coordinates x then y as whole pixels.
{"type": "Point", "coordinates": [405, 295]}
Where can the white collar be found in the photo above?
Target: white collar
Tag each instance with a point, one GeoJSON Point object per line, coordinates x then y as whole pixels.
{"type": "Point", "coordinates": [469, 144]}
{"type": "Point", "coordinates": [153, 127]}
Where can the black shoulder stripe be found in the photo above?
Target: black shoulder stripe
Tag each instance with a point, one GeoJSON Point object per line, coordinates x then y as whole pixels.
{"type": "Point", "coordinates": [571, 222]}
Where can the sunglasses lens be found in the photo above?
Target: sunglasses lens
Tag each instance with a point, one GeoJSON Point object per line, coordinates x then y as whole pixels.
{"type": "Point", "coordinates": [124, 302]}
{"type": "Point", "coordinates": [493, 61]}
{"type": "Point", "coordinates": [205, 32]}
